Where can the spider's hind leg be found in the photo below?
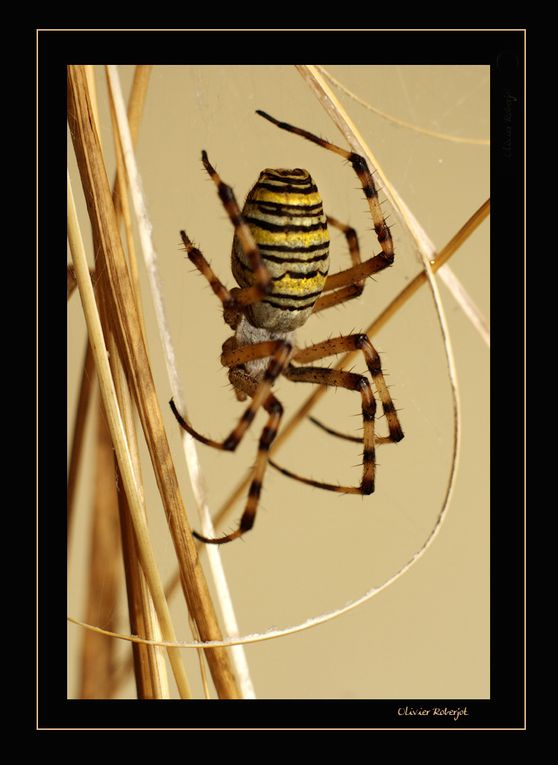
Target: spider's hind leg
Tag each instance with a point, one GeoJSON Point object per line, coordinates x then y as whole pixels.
{"type": "Point", "coordinates": [247, 385]}
{"type": "Point", "coordinates": [341, 379]}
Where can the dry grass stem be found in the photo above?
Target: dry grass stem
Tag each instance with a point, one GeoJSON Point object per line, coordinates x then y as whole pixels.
{"type": "Point", "coordinates": [118, 435]}
{"type": "Point", "coordinates": [98, 654]}
{"type": "Point", "coordinates": [397, 120]}
{"type": "Point", "coordinates": [80, 420]}
{"type": "Point", "coordinates": [425, 247]}
{"type": "Point", "coordinates": [151, 676]}
{"type": "Point", "coordinates": [135, 358]}
{"type": "Point", "coordinates": [153, 682]}
{"type": "Point", "coordinates": [150, 257]}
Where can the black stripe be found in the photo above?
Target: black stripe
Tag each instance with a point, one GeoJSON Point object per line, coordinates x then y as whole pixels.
{"type": "Point", "coordinates": [287, 188]}
{"type": "Point", "coordinates": [254, 491]}
{"type": "Point", "coordinates": [284, 227]}
{"type": "Point", "coordinates": [287, 296]}
{"type": "Point", "coordinates": [279, 213]}
{"type": "Point", "coordinates": [291, 274]}
{"type": "Point", "coordinates": [288, 307]}
{"type": "Point", "coordinates": [293, 181]}
{"type": "Point", "coordinates": [280, 206]}
{"type": "Point", "coordinates": [295, 248]}
{"type": "Point", "coordinates": [295, 171]}
{"type": "Point", "coordinates": [277, 259]}
{"type": "Point", "coordinates": [299, 275]}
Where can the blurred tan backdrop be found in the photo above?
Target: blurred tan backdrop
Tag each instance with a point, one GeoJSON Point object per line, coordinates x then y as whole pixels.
{"type": "Point", "coordinates": [427, 636]}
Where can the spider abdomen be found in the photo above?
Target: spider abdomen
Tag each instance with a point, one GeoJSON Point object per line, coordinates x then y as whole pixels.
{"type": "Point", "coordinates": [285, 214]}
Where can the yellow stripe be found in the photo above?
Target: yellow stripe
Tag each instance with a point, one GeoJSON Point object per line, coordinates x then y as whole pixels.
{"type": "Point", "coordinates": [299, 286]}
{"type": "Point", "coordinates": [303, 238]}
{"type": "Point", "coordinates": [305, 200]}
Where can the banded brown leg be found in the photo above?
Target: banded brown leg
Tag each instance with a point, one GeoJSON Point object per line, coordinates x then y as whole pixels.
{"type": "Point", "coordinates": [353, 382]}
{"type": "Point", "coordinates": [378, 262]}
{"type": "Point", "coordinates": [350, 381]}
{"type": "Point", "coordinates": [361, 342]}
{"type": "Point", "coordinates": [242, 381]}
{"type": "Point", "coordinates": [351, 343]}
{"type": "Point", "coordinates": [343, 294]}
{"type": "Point", "coordinates": [246, 295]}
{"type": "Point", "coordinates": [280, 352]}
{"type": "Point", "coordinates": [236, 299]}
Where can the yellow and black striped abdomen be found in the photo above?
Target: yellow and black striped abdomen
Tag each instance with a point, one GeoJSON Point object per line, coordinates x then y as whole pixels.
{"type": "Point", "coordinates": [285, 214]}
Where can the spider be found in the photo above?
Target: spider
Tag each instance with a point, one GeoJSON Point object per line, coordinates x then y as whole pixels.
{"type": "Point", "coordinates": [280, 260]}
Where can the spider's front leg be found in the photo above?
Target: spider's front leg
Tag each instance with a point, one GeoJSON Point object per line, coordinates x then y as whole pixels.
{"type": "Point", "coordinates": [359, 271]}
{"type": "Point", "coordinates": [234, 301]}
{"type": "Point", "coordinates": [245, 383]}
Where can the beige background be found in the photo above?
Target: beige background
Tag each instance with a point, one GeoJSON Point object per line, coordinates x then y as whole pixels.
{"type": "Point", "coordinates": [426, 636]}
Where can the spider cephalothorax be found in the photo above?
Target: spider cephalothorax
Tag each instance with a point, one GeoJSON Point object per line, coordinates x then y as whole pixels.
{"type": "Point", "coordinates": [280, 260]}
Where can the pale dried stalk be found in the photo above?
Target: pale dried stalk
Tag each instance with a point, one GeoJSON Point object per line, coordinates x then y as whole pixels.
{"type": "Point", "coordinates": [154, 681]}
{"type": "Point", "coordinates": [104, 548]}
{"type": "Point", "coordinates": [87, 376]}
{"type": "Point", "coordinates": [150, 661]}
{"type": "Point", "coordinates": [399, 121]}
{"type": "Point", "coordinates": [119, 439]}
{"type": "Point", "coordinates": [150, 257]}
{"type": "Point", "coordinates": [135, 358]}
{"type": "Point", "coordinates": [97, 665]}
{"type": "Point", "coordinates": [71, 281]}
{"type": "Point", "coordinates": [338, 114]}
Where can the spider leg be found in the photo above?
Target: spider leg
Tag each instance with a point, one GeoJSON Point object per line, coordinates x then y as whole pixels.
{"type": "Point", "coordinates": [350, 381]}
{"type": "Point", "coordinates": [352, 290]}
{"type": "Point", "coordinates": [280, 352]}
{"type": "Point", "coordinates": [361, 342]}
{"type": "Point", "coordinates": [248, 385]}
{"type": "Point", "coordinates": [376, 263]}
{"type": "Point", "coordinates": [246, 295]}
{"type": "Point", "coordinates": [379, 440]}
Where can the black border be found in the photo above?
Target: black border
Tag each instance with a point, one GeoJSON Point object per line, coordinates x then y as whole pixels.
{"type": "Point", "coordinates": [504, 51]}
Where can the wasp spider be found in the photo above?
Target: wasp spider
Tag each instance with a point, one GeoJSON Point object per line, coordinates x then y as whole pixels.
{"type": "Point", "coordinates": [280, 260]}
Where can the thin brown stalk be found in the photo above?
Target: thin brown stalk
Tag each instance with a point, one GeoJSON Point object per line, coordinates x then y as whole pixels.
{"type": "Point", "coordinates": [150, 669]}
{"type": "Point", "coordinates": [87, 375]}
{"type": "Point", "coordinates": [151, 676]}
{"type": "Point", "coordinates": [104, 547]}
{"type": "Point", "coordinates": [136, 104]}
{"type": "Point", "coordinates": [71, 281]}
{"type": "Point", "coordinates": [136, 362]}
{"type": "Point", "coordinates": [72, 284]}
{"type": "Point", "coordinates": [116, 426]}
{"type": "Point", "coordinates": [98, 654]}
{"type": "Point", "coordinates": [222, 593]}
{"type": "Point", "coordinates": [152, 680]}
